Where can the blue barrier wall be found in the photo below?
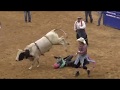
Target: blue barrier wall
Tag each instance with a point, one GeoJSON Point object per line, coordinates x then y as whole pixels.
{"type": "Point", "coordinates": [112, 19]}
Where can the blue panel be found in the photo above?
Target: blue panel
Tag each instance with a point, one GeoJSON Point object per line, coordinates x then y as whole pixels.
{"type": "Point", "coordinates": [112, 19]}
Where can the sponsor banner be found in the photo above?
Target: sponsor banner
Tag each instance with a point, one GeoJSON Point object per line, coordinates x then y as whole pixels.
{"type": "Point", "coordinates": [112, 19]}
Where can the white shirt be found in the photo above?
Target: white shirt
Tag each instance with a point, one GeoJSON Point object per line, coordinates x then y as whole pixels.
{"type": "Point", "coordinates": [77, 25]}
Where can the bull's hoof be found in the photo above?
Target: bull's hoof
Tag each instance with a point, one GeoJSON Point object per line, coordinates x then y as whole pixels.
{"type": "Point", "coordinates": [38, 65]}
{"type": "Point", "coordinates": [30, 68]}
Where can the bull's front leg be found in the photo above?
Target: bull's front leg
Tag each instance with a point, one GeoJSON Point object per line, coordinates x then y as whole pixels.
{"type": "Point", "coordinates": [31, 65]}
{"type": "Point", "coordinates": [35, 59]}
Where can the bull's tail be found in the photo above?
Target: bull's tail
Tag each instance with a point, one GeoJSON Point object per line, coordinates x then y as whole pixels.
{"type": "Point", "coordinates": [66, 36]}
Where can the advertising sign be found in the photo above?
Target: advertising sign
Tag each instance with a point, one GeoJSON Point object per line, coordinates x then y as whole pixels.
{"type": "Point", "coordinates": [112, 19]}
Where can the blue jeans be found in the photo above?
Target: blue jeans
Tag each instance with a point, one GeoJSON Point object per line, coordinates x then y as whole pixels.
{"type": "Point", "coordinates": [100, 17]}
{"type": "Point", "coordinates": [80, 58]}
{"type": "Point", "coordinates": [27, 15]}
{"type": "Point", "coordinates": [88, 13]}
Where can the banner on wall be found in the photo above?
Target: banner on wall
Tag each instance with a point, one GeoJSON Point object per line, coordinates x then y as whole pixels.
{"type": "Point", "coordinates": [112, 19]}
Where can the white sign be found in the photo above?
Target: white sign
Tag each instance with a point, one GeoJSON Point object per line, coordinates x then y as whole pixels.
{"type": "Point", "coordinates": [113, 14]}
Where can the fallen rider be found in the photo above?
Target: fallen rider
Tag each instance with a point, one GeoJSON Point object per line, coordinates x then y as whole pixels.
{"type": "Point", "coordinates": [68, 62]}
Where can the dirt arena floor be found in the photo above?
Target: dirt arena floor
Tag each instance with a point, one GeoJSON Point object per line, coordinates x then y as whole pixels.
{"type": "Point", "coordinates": [104, 45]}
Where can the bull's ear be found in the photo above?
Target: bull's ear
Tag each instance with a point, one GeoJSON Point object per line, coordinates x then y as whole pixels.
{"type": "Point", "coordinates": [20, 50]}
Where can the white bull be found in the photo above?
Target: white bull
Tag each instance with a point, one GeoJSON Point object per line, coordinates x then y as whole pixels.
{"type": "Point", "coordinates": [39, 47]}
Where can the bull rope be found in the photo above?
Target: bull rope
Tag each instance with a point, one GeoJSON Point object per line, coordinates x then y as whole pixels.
{"type": "Point", "coordinates": [38, 48]}
{"type": "Point", "coordinates": [48, 39]}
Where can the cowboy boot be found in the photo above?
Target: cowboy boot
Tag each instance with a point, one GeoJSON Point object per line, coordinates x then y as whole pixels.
{"type": "Point", "coordinates": [88, 72]}
{"type": "Point", "coordinates": [77, 74]}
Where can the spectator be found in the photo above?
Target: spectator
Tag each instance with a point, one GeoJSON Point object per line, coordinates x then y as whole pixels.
{"type": "Point", "coordinates": [100, 17]}
{"type": "Point", "coordinates": [27, 16]}
{"type": "Point", "coordinates": [90, 16]}
{"type": "Point", "coordinates": [79, 27]}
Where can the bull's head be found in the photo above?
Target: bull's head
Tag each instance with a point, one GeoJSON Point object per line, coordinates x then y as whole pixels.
{"type": "Point", "coordinates": [22, 54]}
